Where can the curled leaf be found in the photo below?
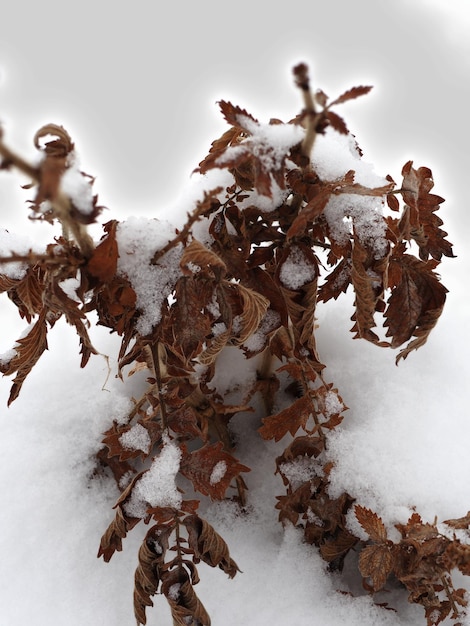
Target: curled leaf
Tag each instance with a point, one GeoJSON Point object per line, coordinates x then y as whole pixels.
{"type": "Point", "coordinates": [208, 545]}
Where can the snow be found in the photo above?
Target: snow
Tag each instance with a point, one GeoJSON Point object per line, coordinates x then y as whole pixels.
{"type": "Point", "coordinates": [78, 188]}
{"type": "Point", "coordinates": [138, 239]}
{"type": "Point", "coordinates": [218, 472]}
{"type": "Point", "coordinates": [296, 271]}
{"type": "Point", "coordinates": [157, 486]}
{"type": "Point", "coordinates": [12, 243]}
{"type": "Point", "coordinates": [136, 438]}
{"type": "Point", "coordinates": [269, 142]}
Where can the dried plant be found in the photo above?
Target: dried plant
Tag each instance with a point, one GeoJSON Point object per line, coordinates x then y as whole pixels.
{"type": "Point", "coordinates": [278, 238]}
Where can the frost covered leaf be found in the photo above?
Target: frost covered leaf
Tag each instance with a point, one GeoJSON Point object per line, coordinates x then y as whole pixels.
{"type": "Point", "coordinates": [130, 442]}
{"type": "Point", "coordinates": [199, 466]}
{"type": "Point", "coordinates": [208, 545]}
{"type": "Point", "coordinates": [371, 523]}
{"type": "Point", "coordinates": [376, 563]}
{"type": "Point", "coordinates": [259, 155]}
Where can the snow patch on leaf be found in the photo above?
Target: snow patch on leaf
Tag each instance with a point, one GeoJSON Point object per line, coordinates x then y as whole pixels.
{"type": "Point", "coordinates": [11, 243]}
{"type": "Point", "coordinates": [218, 472]}
{"type": "Point", "coordinates": [137, 438]}
{"type": "Point", "coordinates": [157, 486]}
{"type": "Point", "coordinates": [138, 239]}
{"type": "Point", "coordinates": [296, 271]}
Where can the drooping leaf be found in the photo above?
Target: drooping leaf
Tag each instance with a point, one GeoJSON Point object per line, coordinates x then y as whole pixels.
{"type": "Point", "coordinates": [147, 575]}
{"type": "Point", "coordinates": [416, 302]}
{"type": "Point", "coordinates": [27, 352]}
{"type": "Point", "coordinates": [422, 223]}
{"type": "Point", "coordinates": [208, 545]}
{"type": "Point", "coordinates": [185, 606]}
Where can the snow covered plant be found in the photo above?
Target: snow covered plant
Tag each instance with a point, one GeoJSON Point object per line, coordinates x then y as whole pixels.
{"type": "Point", "coordinates": [289, 215]}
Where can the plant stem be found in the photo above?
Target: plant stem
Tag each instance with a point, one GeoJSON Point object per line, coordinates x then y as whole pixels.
{"type": "Point", "coordinates": [158, 377]}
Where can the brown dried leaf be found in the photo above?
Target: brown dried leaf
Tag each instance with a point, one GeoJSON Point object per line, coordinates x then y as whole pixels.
{"type": "Point", "coordinates": [365, 294]}
{"type": "Point", "coordinates": [147, 575]}
{"type": "Point", "coordinates": [337, 281]}
{"type": "Point", "coordinates": [235, 115]}
{"type": "Point", "coordinates": [415, 304]}
{"type": "Point", "coordinates": [422, 224]}
{"type": "Point", "coordinates": [210, 469]}
{"type": "Point", "coordinates": [28, 350]}
{"type": "Point", "coordinates": [103, 262]}
{"type": "Point", "coordinates": [197, 259]}
{"type": "Point", "coordinates": [461, 522]}
{"type": "Point", "coordinates": [350, 94]}
{"type": "Point", "coordinates": [59, 147]}
{"type": "Point", "coordinates": [218, 147]}
{"type": "Point", "coordinates": [337, 122]}
{"type": "Point", "coordinates": [336, 548]}
{"type": "Point", "coordinates": [310, 211]}
{"type": "Point", "coordinates": [188, 324]}
{"type": "Point", "coordinates": [186, 608]}
{"type": "Point", "coordinates": [289, 420]}
{"type": "Point", "coordinates": [376, 563]}
{"type": "Point", "coordinates": [111, 541]}
{"type": "Point", "coordinates": [208, 545]}
{"type": "Point", "coordinates": [371, 523]}
{"type": "Point", "coordinates": [254, 307]}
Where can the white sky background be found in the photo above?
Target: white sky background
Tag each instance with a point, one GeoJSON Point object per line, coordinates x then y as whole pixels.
{"type": "Point", "coordinates": [136, 87]}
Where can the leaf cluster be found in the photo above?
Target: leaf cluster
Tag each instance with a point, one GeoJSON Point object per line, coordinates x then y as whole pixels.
{"type": "Point", "coordinates": [272, 250]}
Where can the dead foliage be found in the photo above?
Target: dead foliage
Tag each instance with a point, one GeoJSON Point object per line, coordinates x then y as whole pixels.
{"type": "Point", "coordinates": [253, 284]}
